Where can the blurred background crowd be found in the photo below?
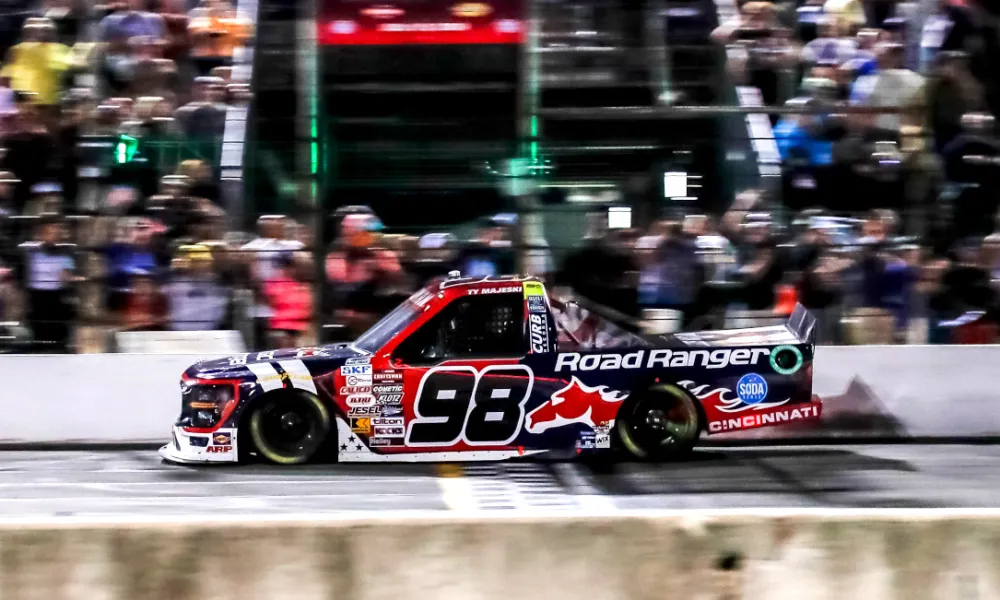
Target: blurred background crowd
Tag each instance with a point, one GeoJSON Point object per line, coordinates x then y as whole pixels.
{"type": "Point", "coordinates": [880, 213]}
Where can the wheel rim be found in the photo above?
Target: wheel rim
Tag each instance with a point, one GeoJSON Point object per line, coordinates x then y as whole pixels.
{"type": "Point", "coordinates": [659, 423]}
{"type": "Point", "coordinates": [289, 430]}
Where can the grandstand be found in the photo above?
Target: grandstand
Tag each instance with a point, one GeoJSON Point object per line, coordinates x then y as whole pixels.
{"type": "Point", "coordinates": [290, 170]}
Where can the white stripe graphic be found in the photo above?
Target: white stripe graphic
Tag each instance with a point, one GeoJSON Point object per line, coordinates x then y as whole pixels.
{"type": "Point", "coordinates": [299, 375]}
{"type": "Point", "coordinates": [267, 376]}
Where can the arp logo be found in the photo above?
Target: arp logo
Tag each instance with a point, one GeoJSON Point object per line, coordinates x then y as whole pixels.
{"type": "Point", "coordinates": [576, 403]}
{"type": "Point", "coordinates": [219, 449]}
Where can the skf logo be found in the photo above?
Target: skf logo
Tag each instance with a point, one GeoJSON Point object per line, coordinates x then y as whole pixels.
{"type": "Point", "coordinates": [576, 403]}
{"type": "Point", "coordinates": [222, 439]}
{"type": "Point", "coordinates": [471, 10]}
{"type": "Point", "coordinates": [219, 449]}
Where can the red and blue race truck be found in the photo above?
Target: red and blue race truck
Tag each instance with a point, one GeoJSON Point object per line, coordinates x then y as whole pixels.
{"type": "Point", "coordinates": [492, 369]}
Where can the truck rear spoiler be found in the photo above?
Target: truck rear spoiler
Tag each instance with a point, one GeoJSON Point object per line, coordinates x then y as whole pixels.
{"type": "Point", "coordinates": [802, 324]}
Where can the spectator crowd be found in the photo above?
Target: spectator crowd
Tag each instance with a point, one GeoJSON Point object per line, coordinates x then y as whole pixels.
{"type": "Point", "coordinates": [113, 219]}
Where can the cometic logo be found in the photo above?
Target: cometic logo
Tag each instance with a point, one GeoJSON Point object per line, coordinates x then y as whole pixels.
{"type": "Point", "coordinates": [659, 359]}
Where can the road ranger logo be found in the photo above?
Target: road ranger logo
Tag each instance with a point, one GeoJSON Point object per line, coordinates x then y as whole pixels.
{"type": "Point", "coordinates": [660, 359]}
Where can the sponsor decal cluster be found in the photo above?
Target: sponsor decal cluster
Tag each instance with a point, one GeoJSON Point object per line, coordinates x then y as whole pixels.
{"type": "Point", "coordinates": [659, 359]}
{"type": "Point", "coordinates": [538, 333]}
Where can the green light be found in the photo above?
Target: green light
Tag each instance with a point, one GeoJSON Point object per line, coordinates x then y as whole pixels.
{"type": "Point", "coordinates": [125, 149]}
{"type": "Point", "coordinates": [534, 139]}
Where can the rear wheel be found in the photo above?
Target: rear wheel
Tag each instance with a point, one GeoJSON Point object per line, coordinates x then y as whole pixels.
{"type": "Point", "coordinates": [289, 428]}
{"type": "Point", "coordinates": [662, 423]}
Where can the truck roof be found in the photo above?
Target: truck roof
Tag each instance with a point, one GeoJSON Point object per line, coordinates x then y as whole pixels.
{"type": "Point", "coordinates": [452, 282]}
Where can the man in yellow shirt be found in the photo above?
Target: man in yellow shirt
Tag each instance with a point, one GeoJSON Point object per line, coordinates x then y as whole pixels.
{"type": "Point", "coordinates": [37, 65]}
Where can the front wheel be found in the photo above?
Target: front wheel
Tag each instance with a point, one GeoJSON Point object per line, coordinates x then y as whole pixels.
{"type": "Point", "coordinates": [289, 429]}
{"type": "Point", "coordinates": [662, 423]}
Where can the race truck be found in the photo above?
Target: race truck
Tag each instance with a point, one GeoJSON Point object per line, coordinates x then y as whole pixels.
{"type": "Point", "coordinates": [491, 369]}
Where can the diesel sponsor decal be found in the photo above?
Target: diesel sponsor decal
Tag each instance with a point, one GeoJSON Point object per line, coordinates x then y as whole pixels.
{"type": "Point", "coordinates": [388, 376]}
{"type": "Point", "coordinates": [750, 421]}
{"type": "Point", "coordinates": [652, 359]}
{"type": "Point", "coordinates": [387, 388]}
{"type": "Point", "coordinates": [538, 328]}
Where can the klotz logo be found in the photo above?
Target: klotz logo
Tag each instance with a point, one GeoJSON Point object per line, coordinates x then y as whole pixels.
{"type": "Point", "coordinates": [751, 389]}
{"type": "Point", "coordinates": [576, 403]}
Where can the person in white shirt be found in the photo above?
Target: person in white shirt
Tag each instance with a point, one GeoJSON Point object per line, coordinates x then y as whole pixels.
{"type": "Point", "coordinates": [263, 255]}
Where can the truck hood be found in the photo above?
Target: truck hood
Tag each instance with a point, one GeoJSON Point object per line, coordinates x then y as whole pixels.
{"type": "Point", "coordinates": [320, 358]}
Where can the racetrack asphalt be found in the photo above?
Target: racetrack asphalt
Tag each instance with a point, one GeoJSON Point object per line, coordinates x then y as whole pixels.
{"type": "Point", "coordinates": [125, 483]}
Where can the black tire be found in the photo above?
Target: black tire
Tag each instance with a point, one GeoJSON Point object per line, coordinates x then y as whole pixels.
{"type": "Point", "coordinates": [289, 428]}
{"type": "Point", "coordinates": [660, 423]}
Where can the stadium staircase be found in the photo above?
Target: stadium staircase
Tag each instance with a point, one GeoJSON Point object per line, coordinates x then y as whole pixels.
{"type": "Point", "coordinates": [615, 77]}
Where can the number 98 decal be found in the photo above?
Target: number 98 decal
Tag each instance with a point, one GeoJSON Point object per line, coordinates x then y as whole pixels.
{"type": "Point", "coordinates": [481, 408]}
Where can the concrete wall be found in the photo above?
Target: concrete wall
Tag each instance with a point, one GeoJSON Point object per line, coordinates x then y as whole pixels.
{"type": "Point", "coordinates": [752, 555]}
{"type": "Point", "coordinates": [927, 391]}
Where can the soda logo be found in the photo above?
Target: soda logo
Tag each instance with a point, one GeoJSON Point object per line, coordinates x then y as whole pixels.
{"type": "Point", "coordinates": [218, 449]}
{"type": "Point", "coordinates": [576, 403]}
{"type": "Point", "coordinates": [660, 359]}
{"type": "Point", "coordinates": [751, 389]}
{"type": "Point", "coordinates": [359, 400]}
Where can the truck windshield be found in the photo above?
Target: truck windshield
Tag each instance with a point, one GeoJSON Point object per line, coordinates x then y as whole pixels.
{"type": "Point", "coordinates": [380, 333]}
